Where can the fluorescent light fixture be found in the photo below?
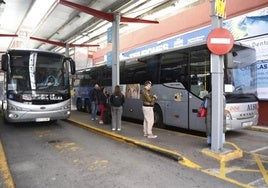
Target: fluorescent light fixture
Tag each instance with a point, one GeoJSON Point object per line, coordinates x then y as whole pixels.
{"type": "Point", "coordinates": [37, 12]}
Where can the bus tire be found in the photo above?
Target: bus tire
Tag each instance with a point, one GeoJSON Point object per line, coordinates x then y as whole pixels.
{"type": "Point", "coordinates": [158, 117]}
{"type": "Point", "coordinates": [87, 106]}
{"type": "Point", "coordinates": [79, 105]}
{"type": "Point", "coordinates": [5, 120]}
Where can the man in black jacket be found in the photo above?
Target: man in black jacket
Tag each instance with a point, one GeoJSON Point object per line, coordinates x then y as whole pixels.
{"type": "Point", "coordinates": [94, 97]}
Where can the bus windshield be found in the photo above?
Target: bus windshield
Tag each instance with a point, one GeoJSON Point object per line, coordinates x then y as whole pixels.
{"type": "Point", "coordinates": [35, 75]}
{"type": "Point", "coordinates": [240, 71]}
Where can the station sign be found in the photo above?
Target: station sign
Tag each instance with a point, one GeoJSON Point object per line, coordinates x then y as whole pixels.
{"type": "Point", "coordinates": [220, 41]}
{"type": "Point", "coordinates": [220, 8]}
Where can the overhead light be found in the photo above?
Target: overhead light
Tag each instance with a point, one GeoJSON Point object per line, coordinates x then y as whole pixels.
{"type": "Point", "coordinates": [74, 19]}
{"type": "Point", "coordinates": [37, 12]}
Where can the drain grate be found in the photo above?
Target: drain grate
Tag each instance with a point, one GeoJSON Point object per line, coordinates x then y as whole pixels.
{"type": "Point", "coordinates": [53, 141]}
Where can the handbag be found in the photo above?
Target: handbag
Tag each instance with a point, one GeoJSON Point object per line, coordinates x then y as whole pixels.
{"type": "Point", "coordinates": [203, 109]}
{"type": "Point", "coordinates": [202, 112]}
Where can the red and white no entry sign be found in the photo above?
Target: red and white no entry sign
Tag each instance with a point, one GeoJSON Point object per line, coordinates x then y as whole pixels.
{"type": "Point", "coordinates": [220, 41]}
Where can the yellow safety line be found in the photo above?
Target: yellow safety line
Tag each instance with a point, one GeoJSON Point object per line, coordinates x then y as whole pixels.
{"type": "Point", "coordinates": [4, 170]}
{"type": "Point", "coordinates": [261, 167]}
{"type": "Point", "coordinates": [173, 154]}
{"type": "Point", "coordinates": [237, 153]}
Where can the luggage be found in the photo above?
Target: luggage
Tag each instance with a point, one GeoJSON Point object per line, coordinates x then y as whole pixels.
{"type": "Point", "coordinates": [107, 116]}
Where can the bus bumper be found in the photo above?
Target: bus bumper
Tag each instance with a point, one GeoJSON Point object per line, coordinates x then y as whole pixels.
{"type": "Point", "coordinates": [233, 124]}
{"type": "Point", "coordinates": [37, 113]}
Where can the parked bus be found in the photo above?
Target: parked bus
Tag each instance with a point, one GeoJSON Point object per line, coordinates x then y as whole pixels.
{"type": "Point", "coordinates": [36, 86]}
{"type": "Point", "coordinates": [181, 79]}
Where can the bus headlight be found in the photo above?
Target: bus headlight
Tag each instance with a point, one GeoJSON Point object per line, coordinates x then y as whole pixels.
{"type": "Point", "coordinates": [11, 115]}
{"type": "Point", "coordinates": [228, 115]}
{"type": "Point", "coordinates": [14, 108]}
{"type": "Point", "coordinates": [67, 107]}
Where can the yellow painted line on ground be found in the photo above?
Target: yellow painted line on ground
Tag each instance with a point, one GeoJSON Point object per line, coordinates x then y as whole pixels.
{"type": "Point", "coordinates": [4, 170]}
{"type": "Point", "coordinates": [261, 167]}
{"type": "Point", "coordinates": [223, 158]}
{"type": "Point", "coordinates": [233, 154]}
{"type": "Point", "coordinates": [170, 153]}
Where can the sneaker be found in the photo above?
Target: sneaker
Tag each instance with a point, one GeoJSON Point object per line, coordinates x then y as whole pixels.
{"type": "Point", "coordinates": [145, 135]}
{"type": "Point", "coordinates": [113, 129]}
{"type": "Point", "coordinates": [92, 119]}
{"type": "Point", "coordinates": [152, 136]}
{"type": "Point", "coordinates": [118, 129]}
{"type": "Point", "coordinates": [100, 122]}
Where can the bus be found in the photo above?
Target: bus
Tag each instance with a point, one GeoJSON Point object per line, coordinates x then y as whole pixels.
{"type": "Point", "coordinates": [181, 79]}
{"type": "Point", "coordinates": [36, 86]}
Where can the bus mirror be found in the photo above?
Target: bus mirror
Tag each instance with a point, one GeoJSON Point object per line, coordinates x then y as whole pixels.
{"type": "Point", "coordinates": [230, 60]}
{"type": "Point", "coordinates": [4, 62]}
{"type": "Point", "coordinates": [72, 64]}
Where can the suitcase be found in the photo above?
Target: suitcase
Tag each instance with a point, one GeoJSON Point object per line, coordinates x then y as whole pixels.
{"type": "Point", "coordinates": [107, 116]}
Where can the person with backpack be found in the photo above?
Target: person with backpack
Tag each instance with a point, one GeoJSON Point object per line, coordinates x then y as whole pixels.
{"type": "Point", "coordinates": [117, 100]}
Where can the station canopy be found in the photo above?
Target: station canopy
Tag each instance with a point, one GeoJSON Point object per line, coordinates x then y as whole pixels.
{"type": "Point", "coordinates": [50, 24]}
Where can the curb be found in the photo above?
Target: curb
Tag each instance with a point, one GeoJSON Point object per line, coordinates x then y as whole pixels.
{"type": "Point", "coordinates": [5, 173]}
{"type": "Point", "coordinates": [258, 128]}
{"type": "Point", "coordinates": [163, 151]}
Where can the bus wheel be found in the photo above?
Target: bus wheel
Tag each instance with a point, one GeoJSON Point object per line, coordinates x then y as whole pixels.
{"type": "Point", "coordinates": [158, 117]}
{"type": "Point", "coordinates": [79, 105]}
{"type": "Point", "coordinates": [87, 106]}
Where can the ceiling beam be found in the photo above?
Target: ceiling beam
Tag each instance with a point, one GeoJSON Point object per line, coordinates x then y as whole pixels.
{"type": "Point", "coordinates": [62, 44]}
{"type": "Point", "coordinates": [105, 16]}
{"type": "Point", "coordinates": [8, 35]}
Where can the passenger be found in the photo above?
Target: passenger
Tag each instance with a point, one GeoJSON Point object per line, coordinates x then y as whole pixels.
{"type": "Point", "coordinates": [94, 101]}
{"type": "Point", "coordinates": [132, 91]}
{"type": "Point", "coordinates": [208, 120]}
{"type": "Point", "coordinates": [148, 104]}
{"type": "Point", "coordinates": [103, 102]}
{"type": "Point", "coordinates": [117, 100]}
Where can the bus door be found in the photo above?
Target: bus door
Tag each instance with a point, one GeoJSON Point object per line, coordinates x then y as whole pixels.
{"type": "Point", "coordinates": [175, 105]}
{"type": "Point", "coordinates": [199, 86]}
{"type": "Point", "coordinates": [173, 90]}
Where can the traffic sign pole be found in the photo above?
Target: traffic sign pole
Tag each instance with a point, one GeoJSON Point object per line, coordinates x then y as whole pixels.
{"type": "Point", "coordinates": [217, 90]}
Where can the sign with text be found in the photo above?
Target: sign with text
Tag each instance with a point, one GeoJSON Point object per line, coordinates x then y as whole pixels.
{"type": "Point", "coordinates": [220, 8]}
{"type": "Point", "coordinates": [220, 41]}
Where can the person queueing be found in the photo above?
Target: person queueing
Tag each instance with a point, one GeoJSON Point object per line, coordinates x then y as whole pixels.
{"type": "Point", "coordinates": [94, 102]}
{"type": "Point", "coordinates": [117, 100]}
{"type": "Point", "coordinates": [148, 104]}
{"type": "Point", "coordinates": [103, 101]}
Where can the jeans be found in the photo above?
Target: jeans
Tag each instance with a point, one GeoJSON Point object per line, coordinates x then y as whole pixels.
{"type": "Point", "coordinates": [94, 109]}
{"type": "Point", "coordinates": [116, 117]}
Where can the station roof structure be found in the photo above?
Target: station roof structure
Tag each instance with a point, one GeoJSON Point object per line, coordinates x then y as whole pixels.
{"type": "Point", "coordinates": [50, 24]}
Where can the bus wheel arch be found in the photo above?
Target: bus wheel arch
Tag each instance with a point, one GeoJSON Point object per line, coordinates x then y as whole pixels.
{"type": "Point", "coordinates": [158, 117]}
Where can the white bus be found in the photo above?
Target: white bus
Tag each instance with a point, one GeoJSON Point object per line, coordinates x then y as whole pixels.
{"type": "Point", "coordinates": [36, 86]}
{"type": "Point", "coordinates": [181, 78]}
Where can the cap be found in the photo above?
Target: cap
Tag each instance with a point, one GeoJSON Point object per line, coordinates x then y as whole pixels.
{"type": "Point", "coordinates": [147, 82]}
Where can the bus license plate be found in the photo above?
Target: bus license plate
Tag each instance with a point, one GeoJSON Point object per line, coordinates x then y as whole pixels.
{"type": "Point", "coordinates": [247, 124]}
{"type": "Point", "coordinates": [42, 119]}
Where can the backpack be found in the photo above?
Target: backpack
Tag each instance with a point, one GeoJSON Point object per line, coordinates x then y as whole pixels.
{"type": "Point", "coordinates": [117, 100]}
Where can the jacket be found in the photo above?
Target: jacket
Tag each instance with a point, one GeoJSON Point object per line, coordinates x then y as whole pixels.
{"type": "Point", "coordinates": [147, 98]}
